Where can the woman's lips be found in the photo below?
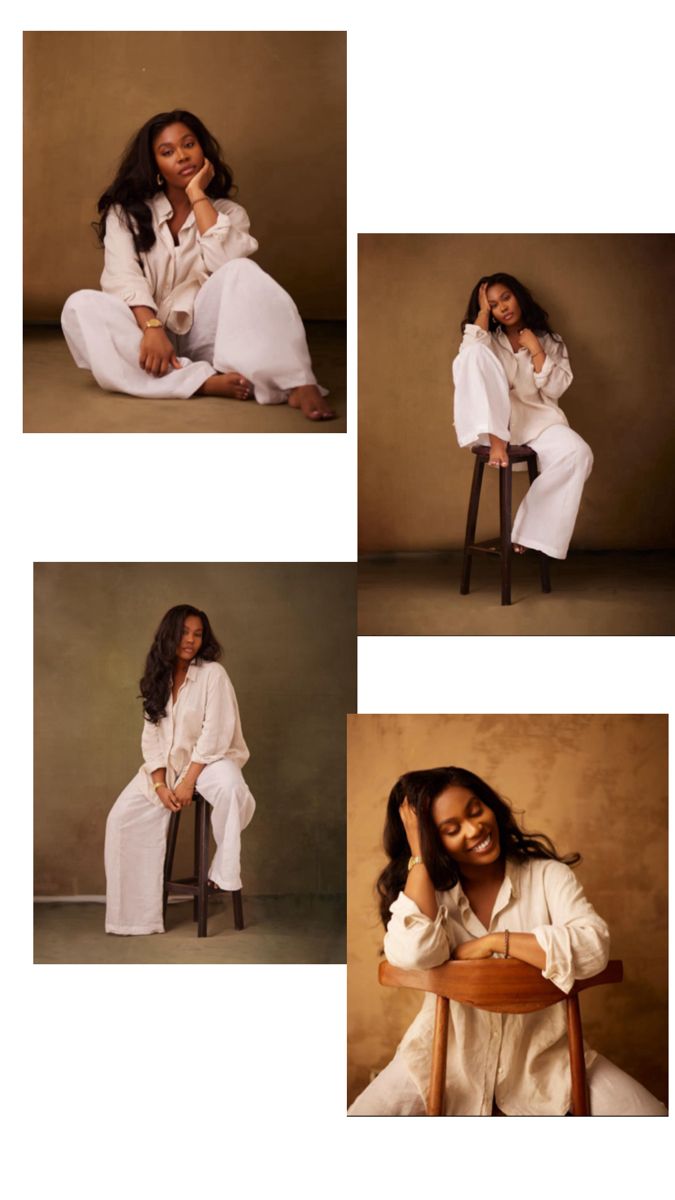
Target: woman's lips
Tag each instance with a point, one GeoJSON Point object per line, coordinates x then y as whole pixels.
{"type": "Point", "coordinates": [483, 845]}
{"type": "Point", "coordinates": [187, 170]}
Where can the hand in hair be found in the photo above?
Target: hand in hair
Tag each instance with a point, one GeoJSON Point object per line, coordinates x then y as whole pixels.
{"type": "Point", "coordinates": [483, 303]}
{"type": "Point", "coordinates": [411, 826]}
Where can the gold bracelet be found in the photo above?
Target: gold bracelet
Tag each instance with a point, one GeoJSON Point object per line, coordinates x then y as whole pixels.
{"type": "Point", "coordinates": [506, 943]}
{"type": "Point", "coordinates": [193, 202]}
{"type": "Point", "coordinates": [414, 861]}
{"type": "Point", "coordinates": [160, 783]}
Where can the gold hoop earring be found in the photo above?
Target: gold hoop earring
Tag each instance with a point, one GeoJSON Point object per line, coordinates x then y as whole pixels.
{"type": "Point", "coordinates": [160, 181]}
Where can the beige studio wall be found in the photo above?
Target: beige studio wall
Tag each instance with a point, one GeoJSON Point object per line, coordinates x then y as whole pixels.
{"type": "Point", "coordinates": [595, 784]}
{"type": "Point", "coordinates": [606, 297]}
{"type": "Point", "coordinates": [276, 101]}
{"type": "Point", "coordinates": [289, 645]}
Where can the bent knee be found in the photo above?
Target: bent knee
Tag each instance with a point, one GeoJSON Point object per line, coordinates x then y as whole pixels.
{"type": "Point", "coordinates": [79, 300]}
{"type": "Point", "coordinates": [238, 266]}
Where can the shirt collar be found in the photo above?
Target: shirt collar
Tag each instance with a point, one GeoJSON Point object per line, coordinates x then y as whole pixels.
{"type": "Point", "coordinates": [508, 890]}
{"type": "Point", "coordinates": [163, 210]}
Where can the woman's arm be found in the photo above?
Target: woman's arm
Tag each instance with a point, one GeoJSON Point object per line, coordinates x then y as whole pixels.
{"type": "Point", "coordinates": [186, 788]}
{"type": "Point", "coordinates": [523, 946]}
{"type": "Point", "coordinates": [418, 886]}
{"type": "Point", "coordinates": [552, 370]}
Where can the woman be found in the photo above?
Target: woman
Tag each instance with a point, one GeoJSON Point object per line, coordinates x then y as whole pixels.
{"type": "Point", "coordinates": [191, 734]}
{"type": "Point", "coordinates": [461, 873]}
{"type": "Point", "coordinates": [509, 375]}
{"type": "Point", "coordinates": [183, 311]}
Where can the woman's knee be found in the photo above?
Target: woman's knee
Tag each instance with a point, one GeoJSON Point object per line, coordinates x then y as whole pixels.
{"type": "Point", "coordinates": [237, 267]}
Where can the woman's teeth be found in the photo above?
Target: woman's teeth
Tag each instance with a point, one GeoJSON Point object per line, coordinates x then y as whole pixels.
{"type": "Point", "coordinates": [482, 845]}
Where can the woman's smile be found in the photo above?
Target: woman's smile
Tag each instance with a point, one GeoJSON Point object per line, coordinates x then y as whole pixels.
{"type": "Point", "coordinates": [482, 846]}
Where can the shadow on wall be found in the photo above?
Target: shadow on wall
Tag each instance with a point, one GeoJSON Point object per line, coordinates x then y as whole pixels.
{"type": "Point", "coordinates": [413, 290]}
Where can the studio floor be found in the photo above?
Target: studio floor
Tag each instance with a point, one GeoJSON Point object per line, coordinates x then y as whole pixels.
{"type": "Point", "coordinates": [593, 593]}
{"type": "Point", "coordinates": [278, 929]}
{"type": "Point", "coordinates": [61, 398]}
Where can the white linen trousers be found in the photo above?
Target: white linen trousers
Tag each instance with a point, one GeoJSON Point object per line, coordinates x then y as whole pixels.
{"type": "Point", "coordinates": [243, 321]}
{"type": "Point", "coordinates": [135, 846]}
{"type": "Point", "coordinates": [612, 1093]}
{"type": "Point", "coordinates": [546, 517]}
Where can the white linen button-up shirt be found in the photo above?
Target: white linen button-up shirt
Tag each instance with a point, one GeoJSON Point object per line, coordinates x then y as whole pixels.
{"type": "Point", "coordinates": [534, 395]}
{"type": "Point", "coordinates": [520, 1059]}
{"type": "Point", "coordinates": [202, 726]}
{"type": "Point", "coordinates": [167, 277]}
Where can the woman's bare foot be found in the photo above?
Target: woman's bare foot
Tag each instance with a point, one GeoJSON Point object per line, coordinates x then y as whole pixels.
{"type": "Point", "coordinates": [312, 404]}
{"type": "Point", "coordinates": [518, 549]}
{"type": "Point", "coordinates": [499, 452]}
{"type": "Point", "coordinates": [232, 385]}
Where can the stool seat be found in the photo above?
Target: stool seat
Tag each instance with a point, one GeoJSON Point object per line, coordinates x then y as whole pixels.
{"type": "Point", "coordinates": [500, 547]}
{"type": "Point", "coordinates": [197, 884]}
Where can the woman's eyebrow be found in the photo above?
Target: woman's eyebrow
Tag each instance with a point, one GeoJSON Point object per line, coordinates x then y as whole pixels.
{"type": "Point", "coordinates": [181, 139]}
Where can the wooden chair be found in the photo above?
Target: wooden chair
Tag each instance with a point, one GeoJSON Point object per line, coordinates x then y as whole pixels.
{"type": "Point", "coordinates": [504, 986]}
{"type": "Point", "coordinates": [501, 546]}
{"type": "Point", "coordinates": [197, 884]}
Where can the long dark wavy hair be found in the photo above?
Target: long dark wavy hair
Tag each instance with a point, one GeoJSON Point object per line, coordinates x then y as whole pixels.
{"type": "Point", "coordinates": [534, 316]}
{"type": "Point", "coordinates": [421, 788]}
{"type": "Point", "coordinates": [136, 180]}
{"type": "Point", "coordinates": [159, 665]}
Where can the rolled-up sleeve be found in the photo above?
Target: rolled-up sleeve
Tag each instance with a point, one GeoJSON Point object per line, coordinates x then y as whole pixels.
{"type": "Point", "coordinates": [474, 333]}
{"type": "Point", "coordinates": [576, 943]}
{"type": "Point", "coordinates": [220, 717]}
{"type": "Point", "coordinates": [122, 273]}
{"type": "Point", "coordinates": [413, 940]}
{"type": "Point", "coordinates": [229, 238]}
{"type": "Point", "coordinates": [153, 748]}
{"type": "Point", "coordinates": [556, 373]}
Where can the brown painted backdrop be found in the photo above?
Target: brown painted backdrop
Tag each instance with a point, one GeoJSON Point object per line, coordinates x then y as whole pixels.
{"type": "Point", "coordinates": [275, 101]}
{"type": "Point", "coordinates": [288, 635]}
{"type": "Point", "coordinates": [597, 784]}
{"type": "Point", "coordinates": [605, 295]}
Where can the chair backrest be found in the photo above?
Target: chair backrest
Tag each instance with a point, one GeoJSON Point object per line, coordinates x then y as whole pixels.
{"type": "Point", "coordinates": [504, 986]}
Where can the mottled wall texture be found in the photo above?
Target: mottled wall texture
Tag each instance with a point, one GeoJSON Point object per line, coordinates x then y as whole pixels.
{"type": "Point", "coordinates": [275, 101]}
{"type": "Point", "coordinates": [596, 784]}
{"type": "Point", "coordinates": [288, 636]}
{"type": "Point", "coordinates": [604, 296]}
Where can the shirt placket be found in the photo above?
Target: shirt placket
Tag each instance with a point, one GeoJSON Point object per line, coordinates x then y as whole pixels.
{"type": "Point", "coordinates": [497, 1019]}
{"type": "Point", "coordinates": [494, 1039]}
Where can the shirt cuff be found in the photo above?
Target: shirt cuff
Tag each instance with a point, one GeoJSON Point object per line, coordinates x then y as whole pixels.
{"type": "Point", "coordinates": [559, 965]}
{"type": "Point", "coordinates": [155, 764]}
{"type": "Point", "coordinates": [540, 377]}
{"type": "Point", "coordinates": [222, 225]}
{"type": "Point", "coordinates": [475, 333]}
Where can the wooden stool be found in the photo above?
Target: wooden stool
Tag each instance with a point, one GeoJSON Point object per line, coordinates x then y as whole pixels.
{"type": "Point", "coordinates": [503, 985]}
{"type": "Point", "coordinates": [196, 885]}
{"type": "Point", "coordinates": [501, 547]}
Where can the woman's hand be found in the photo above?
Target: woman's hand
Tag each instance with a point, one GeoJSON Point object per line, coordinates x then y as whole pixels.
{"type": "Point", "coordinates": [184, 793]}
{"type": "Point", "coordinates": [168, 798]}
{"type": "Point", "coordinates": [411, 826]}
{"type": "Point", "coordinates": [199, 182]}
{"type": "Point", "coordinates": [527, 340]}
{"type": "Point", "coordinates": [157, 352]}
{"type": "Point", "coordinates": [483, 302]}
{"type": "Point", "coordinates": [482, 947]}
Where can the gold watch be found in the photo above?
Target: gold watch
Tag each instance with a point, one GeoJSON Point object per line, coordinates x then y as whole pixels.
{"type": "Point", "coordinates": [413, 861]}
{"type": "Point", "coordinates": [153, 323]}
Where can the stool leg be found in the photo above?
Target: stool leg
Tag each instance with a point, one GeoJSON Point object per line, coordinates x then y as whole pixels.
{"type": "Point", "coordinates": [533, 472]}
{"type": "Point", "coordinates": [195, 860]}
{"type": "Point", "coordinates": [238, 910]}
{"type": "Point", "coordinates": [168, 861]}
{"type": "Point", "coordinates": [203, 869]}
{"type": "Point", "coordinates": [505, 530]}
{"type": "Point", "coordinates": [471, 520]}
